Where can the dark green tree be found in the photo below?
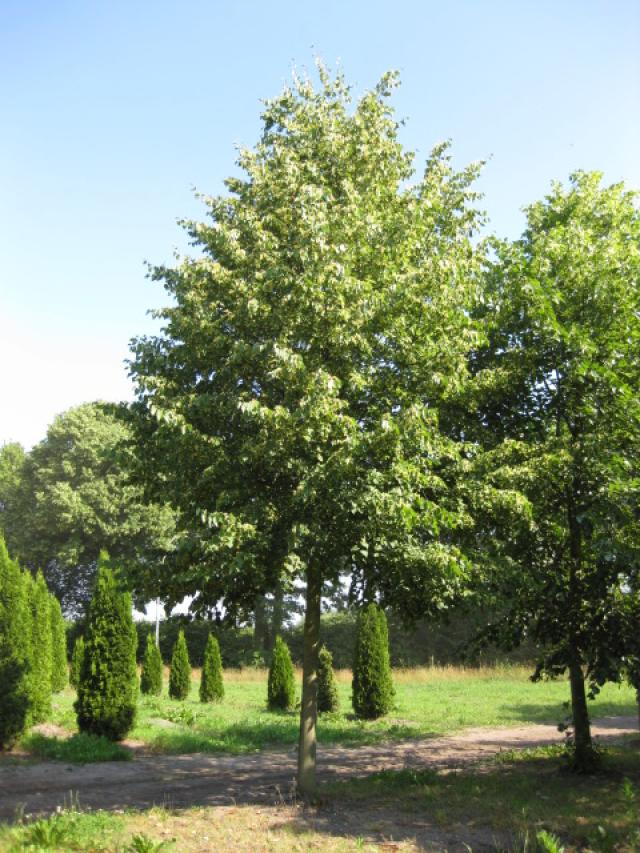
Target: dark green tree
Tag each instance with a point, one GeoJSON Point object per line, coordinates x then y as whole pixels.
{"type": "Point", "coordinates": [289, 408]}
{"type": "Point", "coordinates": [557, 416]}
{"type": "Point", "coordinates": [15, 695]}
{"type": "Point", "coordinates": [211, 684]}
{"type": "Point", "coordinates": [76, 662]}
{"type": "Point", "coordinates": [41, 647]}
{"type": "Point", "coordinates": [59, 667]}
{"type": "Point", "coordinates": [180, 675]}
{"type": "Point", "coordinates": [372, 685]}
{"type": "Point", "coordinates": [107, 690]}
{"type": "Point", "coordinates": [281, 688]}
{"type": "Point", "coordinates": [151, 676]}
{"type": "Point", "coordinates": [327, 687]}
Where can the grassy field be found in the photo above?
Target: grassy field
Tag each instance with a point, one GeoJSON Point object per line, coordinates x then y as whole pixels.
{"type": "Point", "coordinates": [428, 702]}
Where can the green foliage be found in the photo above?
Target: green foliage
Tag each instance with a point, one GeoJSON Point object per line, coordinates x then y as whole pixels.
{"type": "Point", "coordinates": [327, 688]}
{"type": "Point", "coordinates": [72, 495]}
{"type": "Point", "coordinates": [59, 667]}
{"type": "Point", "coordinates": [180, 675]}
{"type": "Point", "coordinates": [76, 662]}
{"type": "Point", "coordinates": [80, 748]}
{"type": "Point", "coordinates": [107, 690]}
{"type": "Point", "coordinates": [281, 688]}
{"type": "Point", "coordinates": [211, 685]}
{"type": "Point", "coordinates": [372, 687]}
{"type": "Point", "coordinates": [15, 693]}
{"type": "Point", "coordinates": [40, 648]}
{"type": "Point", "coordinates": [151, 676]}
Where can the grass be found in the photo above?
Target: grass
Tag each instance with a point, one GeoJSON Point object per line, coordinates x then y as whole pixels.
{"type": "Point", "coordinates": [520, 796]}
{"type": "Point", "coordinates": [78, 749]}
{"type": "Point", "coordinates": [429, 702]}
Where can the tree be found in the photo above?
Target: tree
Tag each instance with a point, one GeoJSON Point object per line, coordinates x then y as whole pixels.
{"type": "Point", "coordinates": [328, 699]}
{"type": "Point", "coordinates": [107, 689]}
{"type": "Point", "coordinates": [15, 694]}
{"type": "Point", "coordinates": [180, 674]}
{"type": "Point", "coordinates": [211, 686]}
{"type": "Point", "coordinates": [76, 662]}
{"type": "Point", "coordinates": [151, 676]}
{"type": "Point", "coordinates": [372, 685]}
{"type": "Point", "coordinates": [59, 668]}
{"type": "Point", "coordinates": [289, 409]}
{"type": "Point", "coordinates": [40, 647]}
{"type": "Point", "coordinates": [71, 496]}
{"type": "Point", "coordinates": [281, 687]}
{"type": "Point", "coordinates": [558, 417]}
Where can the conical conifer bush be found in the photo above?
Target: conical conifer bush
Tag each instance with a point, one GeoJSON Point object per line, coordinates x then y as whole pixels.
{"type": "Point", "coordinates": [15, 698]}
{"type": "Point", "coordinates": [327, 686]}
{"type": "Point", "coordinates": [107, 689]}
{"type": "Point", "coordinates": [372, 685]}
{"type": "Point", "coordinates": [151, 676]}
{"type": "Point", "coordinates": [180, 675]}
{"type": "Point", "coordinates": [59, 668]}
{"type": "Point", "coordinates": [281, 689]}
{"type": "Point", "coordinates": [76, 662]}
{"type": "Point", "coordinates": [40, 649]}
{"type": "Point", "coordinates": [211, 685]}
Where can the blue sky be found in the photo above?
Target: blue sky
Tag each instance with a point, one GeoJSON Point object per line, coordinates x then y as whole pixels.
{"type": "Point", "coordinates": [113, 111]}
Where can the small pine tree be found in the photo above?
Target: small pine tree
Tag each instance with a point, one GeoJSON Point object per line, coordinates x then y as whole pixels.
{"type": "Point", "coordinates": [281, 689]}
{"type": "Point", "coordinates": [372, 685]}
{"type": "Point", "coordinates": [107, 689]}
{"type": "Point", "coordinates": [59, 668]}
{"type": "Point", "coordinates": [211, 686]}
{"type": "Point", "coordinates": [327, 687]}
{"type": "Point", "coordinates": [40, 648]}
{"type": "Point", "coordinates": [76, 662]}
{"type": "Point", "coordinates": [180, 675]}
{"type": "Point", "coordinates": [151, 676]}
{"type": "Point", "coordinates": [15, 695]}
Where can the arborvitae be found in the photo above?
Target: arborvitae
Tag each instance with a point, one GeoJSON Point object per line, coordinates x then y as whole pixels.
{"type": "Point", "coordinates": [41, 649]}
{"type": "Point", "coordinates": [180, 675]}
{"type": "Point", "coordinates": [76, 662]}
{"type": "Point", "coordinates": [151, 676]}
{"type": "Point", "coordinates": [372, 685]}
{"type": "Point", "coordinates": [15, 697]}
{"type": "Point", "coordinates": [211, 686]}
{"type": "Point", "coordinates": [107, 690]}
{"type": "Point", "coordinates": [327, 687]}
{"type": "Point", "coordinates": [281, 689]}
{"type": "Point", "coordinates": [59, 668]}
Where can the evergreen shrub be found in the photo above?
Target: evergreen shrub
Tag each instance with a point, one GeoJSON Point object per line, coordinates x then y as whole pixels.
{"type": "Point", "coordinates": [327, 686]}
{"type": "Point", "coordinates": [59, 668]}
{"type": "Point", "coordinates": [107, 688]}
{"type": "Point", "coordinates": [211, 686]}
{"type": "Point", "coordinates": [151, 676]}
{"type": "Point", "coordinates": [180, 675]}
{"type": "Point", "coordinates": [41, 646]}
{"type": "Point", "coordinates": [76, 662]}
{"type": "Point", "coordinates": [281, 690]}
{"type": "Point", "coordinates": [372, 687]}
{"type": "Point", "coordinates": [15, 696]}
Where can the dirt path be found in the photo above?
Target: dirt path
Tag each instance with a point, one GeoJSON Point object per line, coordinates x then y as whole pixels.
{"type": "Point", "coordinates": [187, 780]}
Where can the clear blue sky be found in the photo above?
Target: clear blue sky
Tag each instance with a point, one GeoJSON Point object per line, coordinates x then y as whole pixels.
{"type": "Point", "coordinates": [112, 111]}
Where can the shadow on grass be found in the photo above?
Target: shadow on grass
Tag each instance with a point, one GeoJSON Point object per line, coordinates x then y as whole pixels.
{"type": "Point", "coordinates": [556, 712]}
{"type": "Point", "coordinates": [77, 749]}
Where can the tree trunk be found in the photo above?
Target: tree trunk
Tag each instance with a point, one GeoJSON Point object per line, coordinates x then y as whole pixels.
{"type": "Point", "coordinates": [277, 617]}
{"type": "Point", "coordinates": [259, 624]}
{"type": "Point", "coordinates": [638, 703]}
{"type": "Point", "coordinates": [309, 708]}
{"type": "Point", "coordinates": [583, 758]}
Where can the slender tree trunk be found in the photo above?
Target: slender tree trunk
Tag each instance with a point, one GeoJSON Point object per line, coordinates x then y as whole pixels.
{"type": "Point", "coordinates": [277, 617]}
{"type": "Point", "coordinates": [580, 714]}
{"type": "Point", "coordinates": [309, 709]}
{"type": "Point", "coordinates": [638, 703]}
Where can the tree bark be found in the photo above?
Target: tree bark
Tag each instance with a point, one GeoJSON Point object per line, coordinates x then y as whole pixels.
{"type": "Point", "coordinates": [638, 703]}
{"type": "Point", "coordinates": [277, 617]}
{"type": "Point", "coordinates": [581, 725]}
{"type": "Point", "coordinates": [309, 707]}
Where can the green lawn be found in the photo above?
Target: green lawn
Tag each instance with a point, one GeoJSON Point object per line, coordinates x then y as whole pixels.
{"type": "Point", "coordinates": [428, 702]}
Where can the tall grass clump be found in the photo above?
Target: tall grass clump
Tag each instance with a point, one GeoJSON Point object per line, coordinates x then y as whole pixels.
{"type": "Point", "coordinates": [281, 689]}
{"type": "Point", "coordinates": [211, 685]}
{"type": "Point", "coordinates": [372, 687]}
{"type": "Point", "coordinates": [107, 689]}
{"type": "Point", "coordinates": [180, 675]}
